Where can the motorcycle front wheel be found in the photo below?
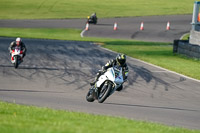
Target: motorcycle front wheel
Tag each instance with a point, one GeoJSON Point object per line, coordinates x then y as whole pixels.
{"type": "Point", "coordinates": [89, 96]}
{"type": "Point", "coordinates": [104, 92]}
{"type": "Point", "coordinates": [16, 62]}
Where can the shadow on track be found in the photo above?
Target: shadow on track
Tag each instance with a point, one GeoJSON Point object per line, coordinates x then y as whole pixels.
{"type": "Point", "coordinates": [29, 91]}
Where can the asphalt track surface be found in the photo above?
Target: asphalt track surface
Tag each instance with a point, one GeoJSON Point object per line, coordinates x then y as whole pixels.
{"type": "Point", "coordinates": [128, 28]}
{"type": "Point", "coordinates": [56, 74]}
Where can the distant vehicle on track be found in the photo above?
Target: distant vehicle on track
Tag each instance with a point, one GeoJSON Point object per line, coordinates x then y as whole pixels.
{"type": "Point", "coordinates": [92, 19]}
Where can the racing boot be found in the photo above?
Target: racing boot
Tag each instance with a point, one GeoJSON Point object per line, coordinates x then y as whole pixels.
{"type": "Point", "coordinates": [92, 83]}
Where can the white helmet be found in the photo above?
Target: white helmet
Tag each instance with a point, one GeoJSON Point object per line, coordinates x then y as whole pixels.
{"type": "Point", "coordinates": [18, 39]}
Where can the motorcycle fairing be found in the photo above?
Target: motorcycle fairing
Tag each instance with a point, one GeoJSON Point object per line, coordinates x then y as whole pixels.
{"type": "Point", "coordinates": [112, 74]}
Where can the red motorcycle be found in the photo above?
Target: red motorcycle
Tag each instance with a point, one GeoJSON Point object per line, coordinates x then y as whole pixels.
{"type": "Point", "coordinates": [16, 56]}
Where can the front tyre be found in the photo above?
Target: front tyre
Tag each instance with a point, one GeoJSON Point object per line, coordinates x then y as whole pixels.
{"type": "Point", "coordinates": [16, 61]}
{"type": "Point", "coordinates": [89, 96]}
{"type": "Point", "coordinates": [104, 92]}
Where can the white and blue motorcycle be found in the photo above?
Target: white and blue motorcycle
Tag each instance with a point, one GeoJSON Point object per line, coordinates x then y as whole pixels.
{"type": "Point", "coordinates": [106, 85]}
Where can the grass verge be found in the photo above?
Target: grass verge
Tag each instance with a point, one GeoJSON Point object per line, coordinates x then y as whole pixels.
{"type": "Point", "coordinates": [30, 119]}
{"type": "Point", "coordinates": [48, 33]}
{"type": "Point", "coordinates": [41, 9]}
{"type": "Point", "coordinates": [159, 54]}
{"type": "Point", "coordinates": [186, 36]}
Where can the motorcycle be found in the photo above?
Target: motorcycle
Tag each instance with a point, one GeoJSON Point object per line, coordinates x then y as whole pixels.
{"type": "Point", "coordinates": [106, 85]}
{"type": "Point", "coordinates": [16, 56]}
{"type": "Point", "coordinates": [92, 20]}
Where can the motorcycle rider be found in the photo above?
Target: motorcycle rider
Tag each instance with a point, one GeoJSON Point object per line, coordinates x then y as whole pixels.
{"type": "Point", "coordinates": [18, 43]}
{"type": "Point", "coordinates": [93, 17]}
{"type": "Point", "coordinates": [119, 61]}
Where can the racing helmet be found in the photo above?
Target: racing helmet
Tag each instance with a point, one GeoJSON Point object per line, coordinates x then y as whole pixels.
{"type": "Point", "coordinates": [18, 41]}
{"type": "Point", "coordinates": [121, 59]}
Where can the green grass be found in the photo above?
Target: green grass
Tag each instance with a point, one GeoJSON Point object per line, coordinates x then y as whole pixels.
{"type": "Point", "coordinates": [156, 53]}
{"type": "Point", "coordinates": [45, 33]}
{"type": "Point", "coordinates": [159, 54]}
{"type": "Point", "coordinates": [62, 34]}
{"type": "Point", "coordinates": [30, 119]}
{"type": "Point", "coordinates": [45, 9]}
{"type": "Point", "coordinates": [186, 36]}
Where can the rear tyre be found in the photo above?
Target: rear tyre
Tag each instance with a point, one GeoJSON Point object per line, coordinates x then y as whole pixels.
{"type": "Point", "coordinates": [104, 92]}
{"type": "Point", "coordinates": [89, 96]}
{"type": "Point", "coordinates": [120, 88]}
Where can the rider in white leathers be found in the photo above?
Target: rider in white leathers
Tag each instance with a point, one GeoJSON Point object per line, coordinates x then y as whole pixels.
{"type": "Point", "coordinates": [120, 61]}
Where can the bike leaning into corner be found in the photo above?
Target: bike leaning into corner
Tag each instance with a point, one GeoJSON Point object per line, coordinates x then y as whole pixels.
{"type": "Point", "coordinates": [108, 80]}
{"type": "Point", "coordinates": [106, 85]}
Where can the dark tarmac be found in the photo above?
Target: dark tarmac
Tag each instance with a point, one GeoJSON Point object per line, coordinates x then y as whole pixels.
{"type": "Point", "coordinates": [56, 74]}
